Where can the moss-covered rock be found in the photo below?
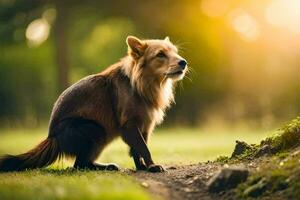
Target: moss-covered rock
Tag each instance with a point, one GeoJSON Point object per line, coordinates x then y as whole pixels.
{"type": "Point", "coordinates": [284, 139]}
{"type": "Point", "coordinates": [275, 165]}
{"type": "Point", "coordinates": [277, 175]}
{"type": "Point", "coordinates": [227, 178]}
{"type": "Point", "coordinates": [274, 175]}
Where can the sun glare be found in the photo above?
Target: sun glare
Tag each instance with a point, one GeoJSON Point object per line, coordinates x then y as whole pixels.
{"type": "Point", "coordinates": [284, 13]}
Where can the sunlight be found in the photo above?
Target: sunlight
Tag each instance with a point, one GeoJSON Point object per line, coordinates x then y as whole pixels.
{"type": "Point", "coordinates": [245, 25]}
{"type": "Point", "coordinates": [37, 32]}
{"type": "Point", "coordinates": [284, 13]}
{"type": "Point", "coordinates": [214, 8]}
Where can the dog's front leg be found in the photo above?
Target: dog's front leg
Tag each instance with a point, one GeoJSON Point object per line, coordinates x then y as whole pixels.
{"type": "Point", "coordinates": [138, 160]}
{"type": "Point", "coordinates": [133, 137]}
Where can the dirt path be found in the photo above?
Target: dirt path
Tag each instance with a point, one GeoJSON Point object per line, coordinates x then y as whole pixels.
{"type": "Point", "coordinates": [180, 182]}
{"type": "Point", "coordinates": [273, 165]}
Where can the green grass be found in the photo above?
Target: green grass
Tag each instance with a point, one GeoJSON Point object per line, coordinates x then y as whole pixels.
{"type": "Point", "coordinates": [69, 184]}
{"type": "Point", "coordinates": [168, 146]}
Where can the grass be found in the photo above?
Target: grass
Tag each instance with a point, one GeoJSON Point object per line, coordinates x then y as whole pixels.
{"type": "Point", "coordinates": [67, 184]}
{"type": "Point", "coordinates": [168, 146]}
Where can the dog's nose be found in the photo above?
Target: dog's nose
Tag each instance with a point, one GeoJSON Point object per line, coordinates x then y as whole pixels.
{"type": "Point", "coordinates": [182, 64]}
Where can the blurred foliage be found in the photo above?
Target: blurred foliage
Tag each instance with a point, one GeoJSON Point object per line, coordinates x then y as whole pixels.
{"type": "Point", "coordinates": [242, 67]}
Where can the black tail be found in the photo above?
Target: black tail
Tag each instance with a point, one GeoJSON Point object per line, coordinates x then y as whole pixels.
{"type": "Point", "coordinates": [42, 155]}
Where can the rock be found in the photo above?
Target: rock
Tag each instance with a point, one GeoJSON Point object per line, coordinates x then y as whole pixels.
{"type": "Point", "coordinates": [189, 176]}
{"type": "Point", "coordinates": [227, 178]}
{"type": "Point", "coordinates": [144, 184]}
{"type": "Point", "coordinates": [186, 189]}
{"type": "Point", "coordinates": [262, 151]}
{"type": "Point", "coordinates": [172, 168]}
{"type": "Point", "coordinates": [240, 148]}
{"type": "Point", "coordinates": [256, 189]}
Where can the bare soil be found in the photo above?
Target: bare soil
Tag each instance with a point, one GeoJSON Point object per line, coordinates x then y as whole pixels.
{"type": "Point", "coordinates": [189, 182]}
{"type": "Point", "coordinates": [182, 182]}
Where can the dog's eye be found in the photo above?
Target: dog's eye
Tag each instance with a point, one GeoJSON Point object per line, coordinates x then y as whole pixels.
{"type": "Point", "coordinates": [161, 54]}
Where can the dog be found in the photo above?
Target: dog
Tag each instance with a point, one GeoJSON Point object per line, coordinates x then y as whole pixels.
{"type": "Point", "coordinates": [127, 99]}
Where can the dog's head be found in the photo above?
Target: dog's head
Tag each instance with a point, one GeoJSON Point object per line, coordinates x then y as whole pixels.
{"type": "Point", "coordinates": [158, 59]}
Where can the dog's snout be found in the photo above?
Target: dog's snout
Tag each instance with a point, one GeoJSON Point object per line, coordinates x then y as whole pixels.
{"type": "Point", "coordinates": [182, 64]}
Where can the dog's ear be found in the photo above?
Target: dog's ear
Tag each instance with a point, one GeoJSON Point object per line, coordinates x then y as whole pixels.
{"type": "Point", "coordinates": [136, 47]}
{"type": "Point", "coordinates": [167, 39]}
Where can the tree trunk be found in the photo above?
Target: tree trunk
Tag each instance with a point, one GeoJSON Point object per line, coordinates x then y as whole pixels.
{"type": "Point", "coordinates": [61, 45]}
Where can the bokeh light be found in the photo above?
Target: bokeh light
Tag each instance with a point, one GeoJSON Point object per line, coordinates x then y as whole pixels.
{"type": "Point", "coordinates": [49, 15]}
{"type": "Point", "coordinates": [284, 13]}
{"type": "Point", "coordinates": [245, 25]}
{"type": "Point", "coordinates": [37, 32]}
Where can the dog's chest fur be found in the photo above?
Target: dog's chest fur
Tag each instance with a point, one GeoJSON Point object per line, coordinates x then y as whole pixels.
{"type": "Point", "coordinates": [136, 108]}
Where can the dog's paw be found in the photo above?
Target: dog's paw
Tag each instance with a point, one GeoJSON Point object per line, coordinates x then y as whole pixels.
{"type": "Point", "coordinates": [142, 167]}
{"type": "Point", "coordinates": [156, 168]}
{"type": "Point", "coordinates": [112, 167]}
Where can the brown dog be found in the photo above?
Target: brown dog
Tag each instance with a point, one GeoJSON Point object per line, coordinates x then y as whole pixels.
{"type": "Point", "coordinates": [128, 99]}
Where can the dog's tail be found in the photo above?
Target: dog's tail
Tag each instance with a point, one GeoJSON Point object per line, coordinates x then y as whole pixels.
{"type": "Point", "coordinates": [42, 155]}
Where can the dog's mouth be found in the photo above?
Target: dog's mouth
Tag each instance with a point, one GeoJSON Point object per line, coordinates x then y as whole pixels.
{"type": "Point", "coordinates": [175, 73]}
